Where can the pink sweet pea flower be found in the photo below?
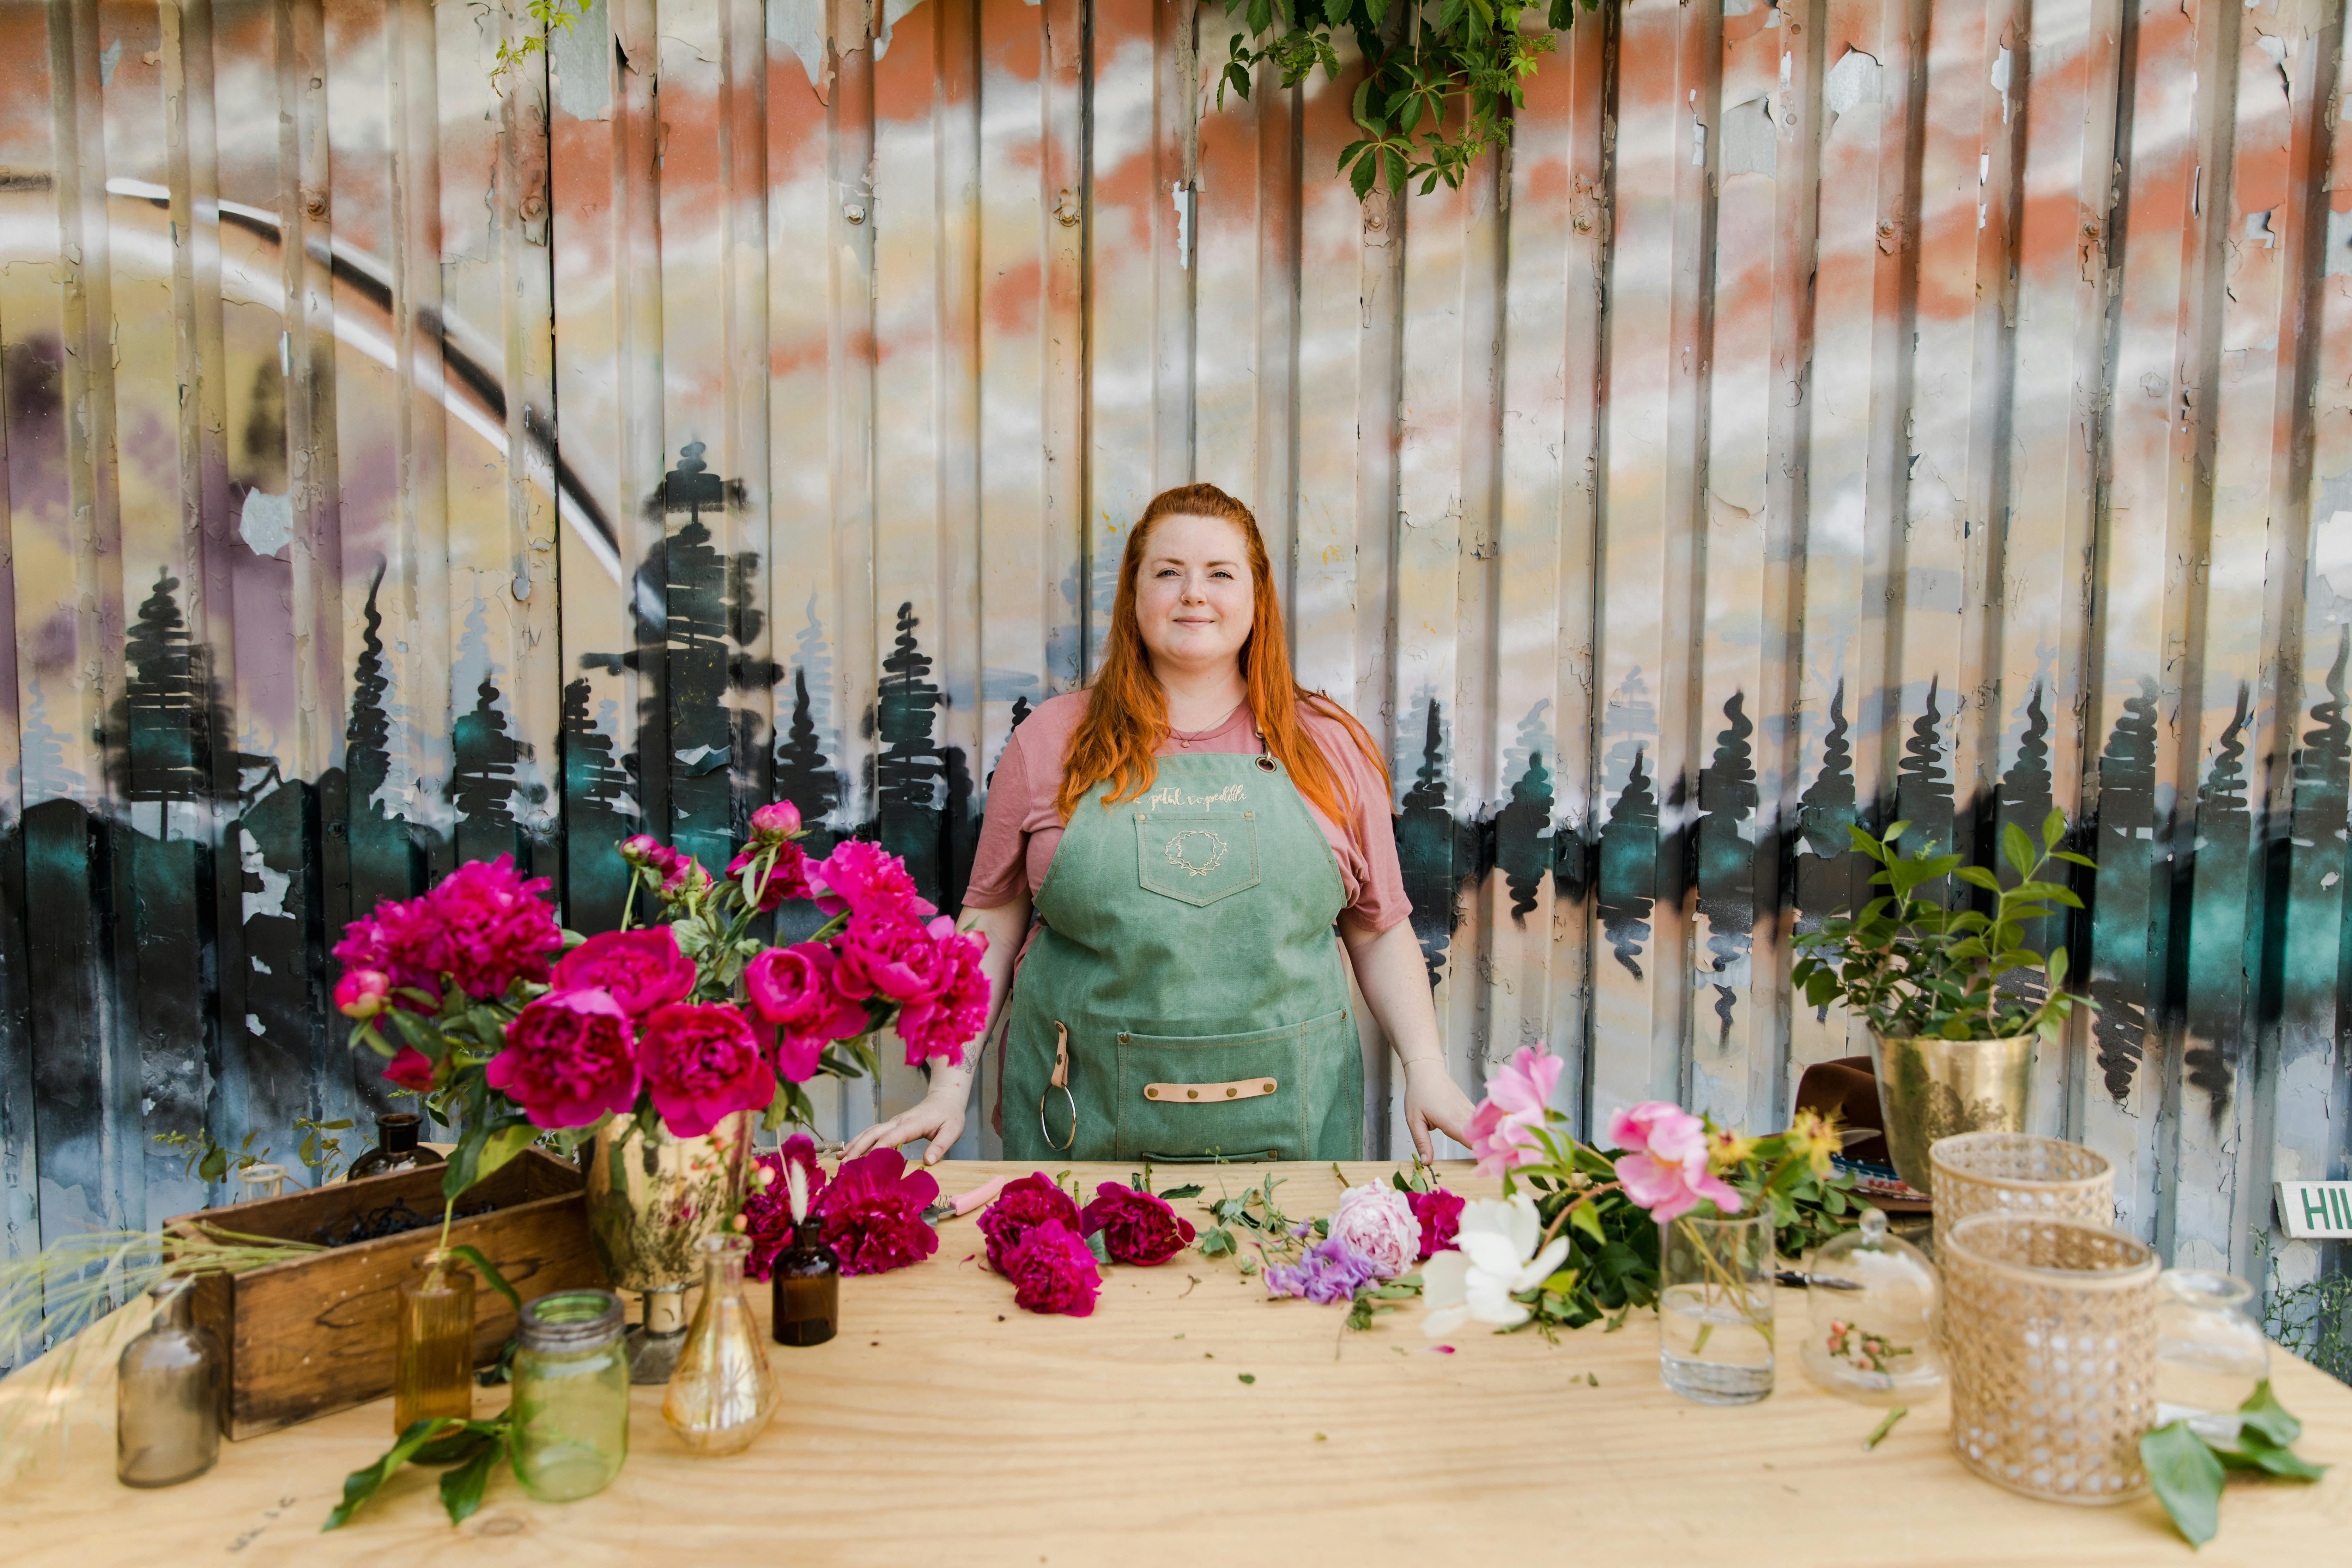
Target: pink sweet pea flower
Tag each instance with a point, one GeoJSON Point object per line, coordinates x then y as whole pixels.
{"type": "Point", "coordinates": [1518, 1102]}
{"type": "Point", "coordinates": [1667, 1172]}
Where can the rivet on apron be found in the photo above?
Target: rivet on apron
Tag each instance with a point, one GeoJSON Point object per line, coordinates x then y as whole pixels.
{"type": "Point", "coordinates": [1191, 1094]}
{"type": "Point", "coordinates": [1231, 1092]}
{"type": "Point", "coordinates": [1151, 1094]}
{"type": "Point", "coordinates": [1269, 1088]}
{"type": "Point", "coordinates": [1122, 1039]}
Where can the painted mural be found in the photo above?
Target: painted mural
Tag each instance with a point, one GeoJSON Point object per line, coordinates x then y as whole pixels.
{"type": "Point", "coordinates": [1828, 412]}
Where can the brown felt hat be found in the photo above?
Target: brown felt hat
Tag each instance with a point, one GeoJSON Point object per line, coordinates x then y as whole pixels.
{"type": "Point", "coordinates": [1848, 1090]}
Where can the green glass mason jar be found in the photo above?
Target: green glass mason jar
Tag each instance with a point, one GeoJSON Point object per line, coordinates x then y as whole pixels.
{"type": "Point", "coordinates": [570, 1395]}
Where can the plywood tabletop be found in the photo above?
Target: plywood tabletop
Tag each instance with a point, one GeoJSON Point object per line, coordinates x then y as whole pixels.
{"type": "Point", "coordinates": [946, 1425]}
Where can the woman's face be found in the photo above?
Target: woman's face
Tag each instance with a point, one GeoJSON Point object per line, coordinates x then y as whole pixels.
{"type": "Point", "coordinates": [1193, 597]}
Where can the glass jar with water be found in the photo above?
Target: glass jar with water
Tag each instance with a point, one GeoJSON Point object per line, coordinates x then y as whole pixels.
{"type": "Point", "coordinates": [1715, 1308]}
{"type": "Point", "coordinates": [570, 1395]}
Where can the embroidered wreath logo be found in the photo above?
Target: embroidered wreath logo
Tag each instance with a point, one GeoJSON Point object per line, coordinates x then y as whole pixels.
{"type": "Point", "coordinates": [1178, 855]}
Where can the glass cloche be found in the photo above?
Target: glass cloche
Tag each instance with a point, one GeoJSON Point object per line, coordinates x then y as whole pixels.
{"type": "Point", "coordinates": [1871, 1300]}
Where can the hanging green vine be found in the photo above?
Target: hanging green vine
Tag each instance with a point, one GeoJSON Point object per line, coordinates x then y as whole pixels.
{"type": "Point", "coordinates": [553, 16]}
{"type": "Point", "coordinates": [1441, 78]}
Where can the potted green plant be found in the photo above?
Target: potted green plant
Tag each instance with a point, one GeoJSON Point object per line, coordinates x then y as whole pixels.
{"type": "Point", "coordinates": [1952, 1033]}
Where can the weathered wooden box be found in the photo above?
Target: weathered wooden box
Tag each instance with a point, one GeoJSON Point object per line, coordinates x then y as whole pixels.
{"type": "Point", "coordinates": [314, 1335]}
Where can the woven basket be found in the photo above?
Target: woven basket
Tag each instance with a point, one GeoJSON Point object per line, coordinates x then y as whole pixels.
{"type": "Point", "coordinates": [1984, 1173]}
{"type": "Point", "coordinates": [2050, 1341]}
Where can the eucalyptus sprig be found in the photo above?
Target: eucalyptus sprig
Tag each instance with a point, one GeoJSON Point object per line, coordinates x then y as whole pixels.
{"type": "Point", "coordinates": [1910, 967]}
{"type": "Point", "coordinates": [1424, 60]}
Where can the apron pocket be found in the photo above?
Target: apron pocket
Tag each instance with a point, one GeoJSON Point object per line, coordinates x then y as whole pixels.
{"type": "Point", "coordinates": [1196, 857]}
{"type": "Point", "coordinates": [1236, 1097]}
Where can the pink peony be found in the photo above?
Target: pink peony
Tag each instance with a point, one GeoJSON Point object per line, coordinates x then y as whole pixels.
{"type": "Point", "coordinates": [569, 1058]}
{"type": "Point", "coordinates": [777, 820]}
{"type": "Point", "coordinates": [410, 1068]}
{"type": "Point", "coordinates": [1052, 1270]}
{"type": "Point", "coordinates": [640, 969]}
{"type": "Point", "coordinates": [703, 1064]}
{"type": "Point", "coordinates": [1021, 1207]}
{"type": "Point", "coordinates": [1440, 1213]}
{"type": "Point", "coordinates": [872, 1214]}
{"type": "Point", "coordinates": [490, 927]}
{"type": "Point", "coordinates": [1518, 1102]}
{"type": "Point", "coordinates": [792, 990]}
{"type": "Point", "coordinates": [675, 866]}
{"type": "Point", "coordinates": [1376, 1223]}
{"type": "Point", "coordinates": [869, 881]}
{"type": "Point", "coordinates": [767, 1211]}
{"type": "Point", "coordinates": [955, 1008]}
{"type": "Point", "coordinates": [363, 993]}
{"type": "Point", "coordinates": [886, 958]}
{"type": "Point", "coordinates": [787, 877]}
{"type": "Point", "coordinates": [1666, 1172]}
{"type": "Point", "coordinates": [395, 940]}
{"type": "Point", "coordinates": [1136, 1226]}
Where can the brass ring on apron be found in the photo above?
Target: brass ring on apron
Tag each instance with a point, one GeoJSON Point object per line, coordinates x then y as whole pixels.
{"type": "Point", "coordinates": [1046, 1132]}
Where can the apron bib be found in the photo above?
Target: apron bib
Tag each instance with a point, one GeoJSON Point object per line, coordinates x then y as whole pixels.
{"type": "Point", "coordinates": [1182, 999]}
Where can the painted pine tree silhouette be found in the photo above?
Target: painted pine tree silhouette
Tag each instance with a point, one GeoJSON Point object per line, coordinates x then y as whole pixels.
{"type": "Point", "coordinates": [1726, 860]}
{"type": "Point", "coordinates": [2214, 937]}
{"type": "Point", "coordinates": [908, 764]}
{"type": "Point", "coordinates": [486, 770]}
{"type": "Point", "coordinates": [2309, 956]}
{"type": "Point", "coordinates": [805, 774]}
{"type": "Point", "coordinates": [1521, 826]}
{"type": "Point", "coordinates": [599, 811]}
{"type": "Point", "coordinates": [1426, 839]}
{"type": "Point", "coordinates": [169, 714]}
{"type": "Point", "coordinates": [1825, 874]}
{"type": "Point", "coordinates": [1629, 867]}
{"type": "Point", "coordinates": [1923, 788]}
{"type": "Point", "coordinates": [387, 861]}
{"type": "Point", "coordinates": [2121, 977]}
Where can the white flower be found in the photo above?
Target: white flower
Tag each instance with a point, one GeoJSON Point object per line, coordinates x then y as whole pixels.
{"type": "Point", "coordinates": [1496, 1261]}
{"type": "Point", "coordinates": [1376, 1223]}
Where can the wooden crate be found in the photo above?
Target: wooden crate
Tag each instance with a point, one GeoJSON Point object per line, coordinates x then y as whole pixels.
{"type": "Point", "coordinates": [314, 1335]}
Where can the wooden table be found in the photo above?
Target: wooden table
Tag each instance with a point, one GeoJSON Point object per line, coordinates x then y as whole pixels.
{"type": "Point", "coordinates": [944, 1426]}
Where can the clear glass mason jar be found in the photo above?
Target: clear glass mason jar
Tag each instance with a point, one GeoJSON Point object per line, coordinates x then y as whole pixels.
{"type": "Point", "coordinates": [167, 1394]}
{"type": "Point", "coordinates": [571, 1415]}
{"type": "Point", "coordinates": [2210, 1351]}
{"type": "Point", "coordinates": [1715, 1308]}
{"type": "Point", "coordinates": [433, 1370]}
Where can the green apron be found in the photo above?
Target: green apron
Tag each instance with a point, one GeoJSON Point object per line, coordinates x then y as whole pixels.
{"type": "Point", "coordinates": [1182, 999]}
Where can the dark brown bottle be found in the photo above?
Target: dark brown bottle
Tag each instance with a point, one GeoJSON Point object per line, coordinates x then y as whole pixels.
{"type": "Point", "coordinates": [807, 1285]}
{"type": "Point", "coordinates": [396, 1148]}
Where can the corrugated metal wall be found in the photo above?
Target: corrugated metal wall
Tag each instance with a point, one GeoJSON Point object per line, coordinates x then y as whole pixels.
{"type": "Point", "coordinates": [1827, 411]}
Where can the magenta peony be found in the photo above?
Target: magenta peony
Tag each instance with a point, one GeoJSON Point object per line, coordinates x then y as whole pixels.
{"type": "Point", "coordinates": [886, 958]}
{"type": "Point", "coordinates": [767, 1210]}
{"type": "Point", "coordinates": [792, 991]}
{"type": "Point", "coordinates": [702, 1064]}
{"type": "Point", "coordinates": [569, 1058]}
{"type": "Point", "coordinates": [787, 877]}
{"type": "Point", "coordinates": [1518, 1096]}
{"type": "Point", "coordinates": [869, 881]}
{"type": "Point", "coordinates": [872, 1214]}
{"type": "Point", "coordinates": [1665, 1171]}
{"type": "Point", "coordinates": [396, 941]}
{"type": "Point", "coordinates": [955, 1007]}
{"type": "Point", "coordinates": [776, 820]}
{"type": "Point", "coordinates": [1021, 1207]}
{"type": "Point", "coordinates": [640, 969]}
{"type": "Point", "coordinates": [1136, 1226]}
{"type": "Point", "coordinates": [363, 993]}
{"type": "Point", "coordinates": [1440, 1214]}
{"type": "Point", "coordinates": [1377, 1224]}
{"type": "Point", "coordinates": [1052, 1270]}
{"type": "Point", "coordinates": [643, 849]}
{"type": "Point", "coordinates": [489, 927]}
{"type": "Point", "coordinates": [410, 1068]}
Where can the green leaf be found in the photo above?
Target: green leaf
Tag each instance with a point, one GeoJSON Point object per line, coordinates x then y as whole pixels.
{"type": "Point", "coordinates": [1238, 78]}
{"type": "Point", "coordinates": [1586, 1217]}
{"type": "Point", "coordinates": [2253, 1453]}
{"type": "Point", "coordinates": [2263, 1415]}
{"type": "Point", "coordinates": [497, 1281]}
{"type": "Point", "coordinates": [2074, 860]}
{"type": "Point", "coordinates": [1360, 177]}
{"type": "Point", "coordinates": [1378, 10]}
{"type": "Point", "coordinates": [2053, 828]}
{"type": "Point", "coordinates": [461, 1489]}
{"type": "Point", "coordinates": [1189, 1190]}
{"type": "Point", "coordinates": [363, 1484]}
{"type": "Point", "coordinates": [1977, 876]}
{"type": "Point", "coordinates": [2016, 849]}
{"type": "Point", "coordinates": [1100, 1249]}
{"type": "Point", "coordinates": [2186, 1479]}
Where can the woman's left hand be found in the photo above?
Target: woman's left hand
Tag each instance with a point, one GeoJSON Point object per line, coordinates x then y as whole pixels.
{"type": "Point", "coordinates": [1431, 1099]}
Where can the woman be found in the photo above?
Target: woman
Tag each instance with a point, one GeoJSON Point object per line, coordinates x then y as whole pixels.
{"type": "Point", "coordinates": [1189, 831]}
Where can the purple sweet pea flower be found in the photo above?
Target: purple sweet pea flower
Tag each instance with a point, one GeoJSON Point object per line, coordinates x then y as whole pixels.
{"type": "Point", "coordinates": [1328, 1273]}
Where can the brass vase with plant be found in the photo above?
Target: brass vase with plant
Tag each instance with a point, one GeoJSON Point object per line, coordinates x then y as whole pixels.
{"type": "Point", "coordinates": [1952, 1031]}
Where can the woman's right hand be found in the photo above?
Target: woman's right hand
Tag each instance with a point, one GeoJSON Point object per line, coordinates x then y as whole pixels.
{"type": "Point", "coordinates": [937, 1116]}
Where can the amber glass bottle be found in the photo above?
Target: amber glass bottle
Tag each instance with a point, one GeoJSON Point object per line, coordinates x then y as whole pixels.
{"type": "Point", "coordinates": [807, 1285]}
{"type": "Point", "coordinates": [433, 1374]}
{"type": "Point", "coordinates": [396, 1148]}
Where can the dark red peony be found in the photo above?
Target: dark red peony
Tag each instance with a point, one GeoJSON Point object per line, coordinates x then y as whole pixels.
{"type": "Point", "coordinates": [702, 1064]}
{"type": "Point", "coordinates": [1053, 1270]}
{"type": "Point", "coordinates": [640, 969]}
{"type": "Point", "coordinates": [787, 874]}
{"type": "Point", "coordinates": [792, 990]}
{"type": "Point", "coordinates": [487, 927]}
{"type": "Point", "coordinates": [410, 1068]}
{"type": "Point", "coordinates": [1440, 1213]}
{"type": "Point", "coordinates": [1019, 1209]}
{"type": "Point", "coordinates": [871, 883]}
{"type": "Point", "coordinates": [872, 1214]}
{"type": "Point", "coordinates": [1136, 1226]}
{"type": "Point", "coordinates": [570, 1057]}
{"type": "Point", "coordinates": [768, 1211]}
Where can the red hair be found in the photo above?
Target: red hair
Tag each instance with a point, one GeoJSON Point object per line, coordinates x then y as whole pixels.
{"type": "Point", "coordinates": [1127, 718]}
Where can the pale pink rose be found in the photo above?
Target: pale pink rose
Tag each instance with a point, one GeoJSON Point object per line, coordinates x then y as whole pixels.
{"type": "Point", "coordinates": [1667, 1170]}
{"type": "Point", "coordinates": [1518, 1102]}
{"type": "Point", "coordinates": [1376, 1222]}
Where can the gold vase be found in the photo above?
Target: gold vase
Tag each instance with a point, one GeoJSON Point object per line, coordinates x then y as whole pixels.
{"type": "Point", "coordinates": [652, 1199]}
{"type": "Point", "coordinates": [1930, 1088]}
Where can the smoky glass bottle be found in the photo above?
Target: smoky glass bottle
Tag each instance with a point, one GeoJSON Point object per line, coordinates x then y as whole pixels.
{"type": "Point", "coordinates": [571, 1420]}
{"type": "Point", "coordinates": [433, 1375]}
{"type": "Point", "coordinates": [396, 1148]}
{"type": "Point", "coordinates": [167, 1394]}
{"type": "Point", "coordinates": [806, 1287]}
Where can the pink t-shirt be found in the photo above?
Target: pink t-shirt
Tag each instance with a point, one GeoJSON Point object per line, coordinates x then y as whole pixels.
{"type": "Point", "coordinates": [1021, 829]}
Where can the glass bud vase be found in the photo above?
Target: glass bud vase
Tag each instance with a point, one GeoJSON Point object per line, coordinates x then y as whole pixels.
{"type": "Point", "coordinates": [167, 1394]}
{"type": "Point", "coordinates": [2210, 1351]}
{"type": "Point", "coordinates": [396, 1148]}
{"type": "Point", "coordinates": [808, 1290]}
{"type": "Point", "coordinates": [570, 1395]}
{"type": "Point", "coordinates": [433, 1375]}
{"type": "Point", "coordinates": [1715, 1308]}
{"type": "Point", "coordinates": [721, 1395]}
